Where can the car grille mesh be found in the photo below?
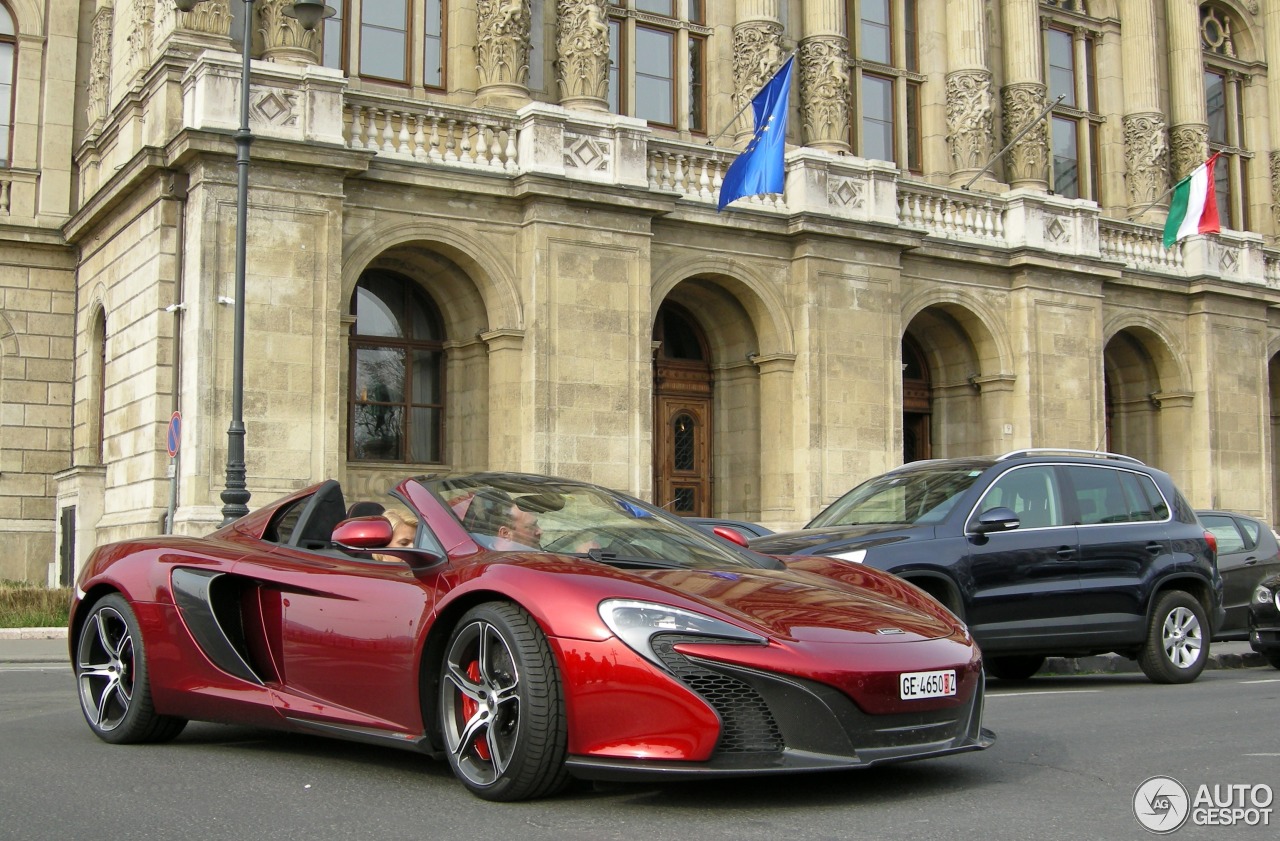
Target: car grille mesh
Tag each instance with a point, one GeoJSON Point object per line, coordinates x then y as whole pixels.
{"type": "Point", "coordinates": [748, 725]}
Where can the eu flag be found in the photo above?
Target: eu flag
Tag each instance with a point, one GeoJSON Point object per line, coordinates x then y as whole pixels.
{"type": "Point", "coordinates": [759, 168]}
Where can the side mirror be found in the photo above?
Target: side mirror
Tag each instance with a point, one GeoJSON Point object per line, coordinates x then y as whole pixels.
{"type": "Point", "coordinates": [365, 536]}
{"type": "Point", "coordinates": [730, 534]}
{"type": "Point", "coordinates": [996, 519]}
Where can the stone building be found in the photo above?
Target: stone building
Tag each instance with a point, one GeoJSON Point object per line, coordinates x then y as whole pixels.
{"type": "Point", "coordinates": [483, 234]}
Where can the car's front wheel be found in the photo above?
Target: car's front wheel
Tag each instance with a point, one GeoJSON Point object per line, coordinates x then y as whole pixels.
{"type": "Point", "coordinates": [111, 671]}
{"type": "Point", "coordinates": [502, 707]}
{"type": "Point", "coordinates": [1177, 639]}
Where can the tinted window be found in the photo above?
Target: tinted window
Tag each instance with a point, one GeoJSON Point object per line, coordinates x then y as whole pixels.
{"type": "Point", "coordinates": [1224, 529]}
{"type": "Point", "coordinates": [1106, 495]}
{"type": "Point", "coordinates": [1251, 529]}
{"type": "Point", "coordinates": [1031, 493]}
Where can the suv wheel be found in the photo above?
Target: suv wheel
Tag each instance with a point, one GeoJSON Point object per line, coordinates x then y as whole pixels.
{"type": "Point", "coordinates": [1177, 645]}
{"type": "Point", "coordinates": [1014, 667]}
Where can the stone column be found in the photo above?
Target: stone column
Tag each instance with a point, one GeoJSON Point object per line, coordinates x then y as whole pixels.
{"type": "Point", "coordinates": [1024, 96]}
{"type": "Point", "coordinates": [506, 390]}
{"type": "Point", "coordinates": [823, 59]}
{"type": "Point", "coordinates": [969, 97]}
{"type": "Point", "coordinates": [1272, 26]}
{"type": "Point", "coordinates": [1146, 134]}
{"type": "Point", "coordinates": [757, 55]}
{"type": "Point", "coordinates": [777, 455]}
{"type": "Point", "coordinates": [583, 51]}
{"type": "Point", "coordinates": [502, 52]}
{"type": "Point", "coordinates": [1189, 134]}
{"type": "Point", "coordinates": [284, 41]}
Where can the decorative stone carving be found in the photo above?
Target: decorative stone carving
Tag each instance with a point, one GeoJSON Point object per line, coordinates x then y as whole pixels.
{"type": "Point", "coordinates": [274, 107]}
{"type": "Point", "coordinates": [1028, 158]}
{"type": "Point", "coordinates": [1274, 161]}
{"type": "Point", "coordinates": [583, 49]}
{"type": "Point", "coordinates": [99, 87]}
{"type": "Point", "coordinates": [1190, 147]}
{"type": "Point", "coordinates": [1146, 157]}
{"type": "Point", "coordinates": [212, 17]}
{"type": "Point", "coordinates": [587, 153]}
{"type": "Point", "coordinates": [824, 92]}
{"type": "Point", "coordinates": [143, 13]}
{"type": "Point", "coordinates": [502, 54]}
{"type": "Point", "coordinates": [846, 192]}
{"type": "Point", "coordinates": [283, 38]}
{"type": "Point", "coordinates": [969, 118]}
{"type": "Point", "coordinates": [757, 53]}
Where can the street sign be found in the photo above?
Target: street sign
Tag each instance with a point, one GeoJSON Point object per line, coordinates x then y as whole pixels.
{"type": "Point", "coordinates": [175, 434]}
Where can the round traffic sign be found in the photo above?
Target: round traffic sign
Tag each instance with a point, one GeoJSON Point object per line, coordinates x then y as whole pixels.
{"type": "Point", "coordinates": [175, 434]}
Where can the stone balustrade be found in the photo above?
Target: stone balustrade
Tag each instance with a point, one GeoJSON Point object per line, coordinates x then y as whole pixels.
{"type": "Point", "coordinates": [432, 132]}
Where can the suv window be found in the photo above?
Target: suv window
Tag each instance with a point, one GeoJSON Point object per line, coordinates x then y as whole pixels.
{"type": "Point", "coordinates": [1107, 495]}
{"type": "Point", "coordinates": [1031, 493]}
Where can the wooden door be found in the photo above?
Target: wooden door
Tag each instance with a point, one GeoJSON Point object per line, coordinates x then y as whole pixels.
{"type": "Point", "coordinates": [683, 454]}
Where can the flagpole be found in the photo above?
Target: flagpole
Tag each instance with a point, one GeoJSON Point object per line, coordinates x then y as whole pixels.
{"type": "Point", "coordinates": [1167, 192]}
{"type": "Point", "coordinates": [1028, 127]}
{"type": "Point", "coordinates": [744, 108]}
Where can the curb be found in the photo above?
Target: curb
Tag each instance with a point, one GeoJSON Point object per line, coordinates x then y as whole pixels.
{"type": "Point", "coordinates": [1114, 664]}
{"type": "Point", "coordinates": [33, 633]}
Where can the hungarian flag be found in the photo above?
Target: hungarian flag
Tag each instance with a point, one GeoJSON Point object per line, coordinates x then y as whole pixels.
{"type": "Point", "coordinates": [1194, 209]}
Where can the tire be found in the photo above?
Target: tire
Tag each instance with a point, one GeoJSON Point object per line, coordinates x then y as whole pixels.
{"type": "Point", "coordinates": [1014, 667]}
{"type": "Point", "coordinates": [1273, 657]}
{"type": "Point", "coordinates": [111, 673]}
{"type": "Point", "coordinates": [501, 706]}
{"type": "Point", "coordinates": [1177, 645]}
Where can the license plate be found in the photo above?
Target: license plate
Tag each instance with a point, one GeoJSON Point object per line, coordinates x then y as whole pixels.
{"type": "Point", "coordinates": [913, 685]}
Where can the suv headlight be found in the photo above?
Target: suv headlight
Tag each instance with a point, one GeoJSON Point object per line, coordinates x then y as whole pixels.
{"type": "Point", "coordinates": [1262, 595]}
{"type": "Point", "coordinates": [636, 623]}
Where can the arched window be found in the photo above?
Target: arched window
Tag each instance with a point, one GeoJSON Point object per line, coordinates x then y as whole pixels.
{"type": "Point", "coordinates": [1224, 78]}
{"type": "Point", "coordinates": [397, 373]}
{"type": "Point", "coordinates": [885, 81]}
{"type": "Point", "coordinates": [647, 76]}
{"type": "Point", "coordinates": [8, 72]}
{"type": "Point", "coordinates": [1075, 122]}
{"type": "Point", "coordinates": [392, 37]}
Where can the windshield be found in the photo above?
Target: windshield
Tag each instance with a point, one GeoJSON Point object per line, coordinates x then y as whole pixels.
{"type": "Point", "coordinates": [522, 513]}
{"type": "Point", "coordinates": [912, 497]}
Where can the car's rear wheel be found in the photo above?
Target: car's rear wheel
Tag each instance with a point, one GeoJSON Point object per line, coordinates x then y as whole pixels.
{"type": "Point", "coordinates": [1177, 643]}
{"type": "Point", "coordinates": [1013, 667]}
{"type": "Point", "coordinates": [502, 706]}
{"type": "Point", "coordinates": [111, 672]}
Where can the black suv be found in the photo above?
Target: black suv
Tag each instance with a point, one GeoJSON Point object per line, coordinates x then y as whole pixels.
{"type": "Point", "coordinates": [1041, 552]}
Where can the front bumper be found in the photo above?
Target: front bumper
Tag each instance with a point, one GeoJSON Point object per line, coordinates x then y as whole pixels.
{"type": "Point", "coordinates": [788, 725]}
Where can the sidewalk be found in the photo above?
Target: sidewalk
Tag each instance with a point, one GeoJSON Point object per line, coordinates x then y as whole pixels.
{"type": "Point", "coordinates": [49, 646]}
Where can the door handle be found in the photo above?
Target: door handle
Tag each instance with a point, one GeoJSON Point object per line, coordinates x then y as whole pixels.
{"type": "Point", "coordinates": [1066, 553]}
{"type": "Point", "coordinates": [1248, 562]}
{"type": "Point", "coordinates": [1155, 548]}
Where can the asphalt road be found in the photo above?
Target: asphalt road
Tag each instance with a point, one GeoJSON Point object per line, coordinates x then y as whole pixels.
{"type": "Point", "coordinates": [1070, 755]}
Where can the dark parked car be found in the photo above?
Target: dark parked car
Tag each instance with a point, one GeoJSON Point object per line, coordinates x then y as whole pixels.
{"type": "Point", "coordinates": [1041, 552]}
{"type": "Point", "coordinates": [524, 629]}
{"type": "Point", "coordinates": [1247, 553]}
{"type": "Point", "coordinates": [1264, 620]}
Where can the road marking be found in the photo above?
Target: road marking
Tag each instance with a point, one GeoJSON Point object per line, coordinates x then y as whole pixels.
{"type": "Point", "coordinates": [1262, 754]}
{"type": "Point", "coordinates": [34, 667]}
{"type": "Point", "coordinates": [1043, 692]}
{"type": "Point", "coordinates": [1268, 680]}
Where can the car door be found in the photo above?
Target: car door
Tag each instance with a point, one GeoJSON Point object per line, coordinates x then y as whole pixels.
{"type": "Point", "coordinates": [342, 634]}
{"type": "Point", "coordinates": [1246, 555]}
{"type": "Point", "coordinates": [1024, 582]}
{"type": "Point", "coordinates": [1122, 526]}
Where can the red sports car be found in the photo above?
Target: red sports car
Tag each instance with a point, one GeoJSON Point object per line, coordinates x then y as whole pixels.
{"type": "Point", "coordinates": [527, 629]}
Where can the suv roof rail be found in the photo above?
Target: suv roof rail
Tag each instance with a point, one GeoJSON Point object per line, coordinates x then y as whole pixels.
{"type": "Point", "coordinates": [1067, 452]}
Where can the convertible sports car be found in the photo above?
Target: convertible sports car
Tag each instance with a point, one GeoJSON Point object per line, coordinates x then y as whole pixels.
{"type": "Point", "coordinates": [527, 629]}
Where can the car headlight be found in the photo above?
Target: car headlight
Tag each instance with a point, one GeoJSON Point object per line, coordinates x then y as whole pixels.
{"type": "Point", "coordinates": [857, 556]}
{"type": "Point", "coordinates": [1262, 595]}
{"type": "Point", "coordinates": [636, 623]}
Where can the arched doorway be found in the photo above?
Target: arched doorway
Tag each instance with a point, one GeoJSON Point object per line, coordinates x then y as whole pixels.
{"type": "Point", "coordinates": [682, 421]}
{"type": "Point", "coordinates": [916, 405]}
{"type": "Point", "coordinates": [1130, 380]}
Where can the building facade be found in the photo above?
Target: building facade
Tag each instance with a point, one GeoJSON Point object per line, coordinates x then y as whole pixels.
{"type": "Point", "coordinates": [482, 234]}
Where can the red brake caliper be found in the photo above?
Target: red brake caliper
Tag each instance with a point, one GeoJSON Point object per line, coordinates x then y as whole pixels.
{"type": "Point", "coordinates": [469, 708]}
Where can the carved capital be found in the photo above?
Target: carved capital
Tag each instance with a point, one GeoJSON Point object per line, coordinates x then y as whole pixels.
{"type": "Point", "coordinates": [583, 51]}
{"type": "Point", "coordinates": [1274, 162]}
{"type": "Point", "coordinates": [502, 50]}
{"type": "Point", "coordinates": [824, 92]}
{"type": "Point", "coordinates": [1190, 147]}
{"type": "Point", "coordinates": [757, 54]}
{"type": "Point", "coordinates": [99, 69]}
{"type": "Point", "coordinates": [1028, 158]}
{"type": "Point", "coordinates": [1146, 157]}
{"type": "Point", "coordinates": [212, 17]}
{"type": "Point", "coordinates": [141, 36]}
{"type": "Point", "coordinates": [284, 41]}
{"type": "Point", "coordinates": [969, 118]}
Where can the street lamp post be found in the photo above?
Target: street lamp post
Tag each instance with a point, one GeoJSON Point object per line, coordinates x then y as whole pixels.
{"type": "Point", "coordinates": [235, 497]}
